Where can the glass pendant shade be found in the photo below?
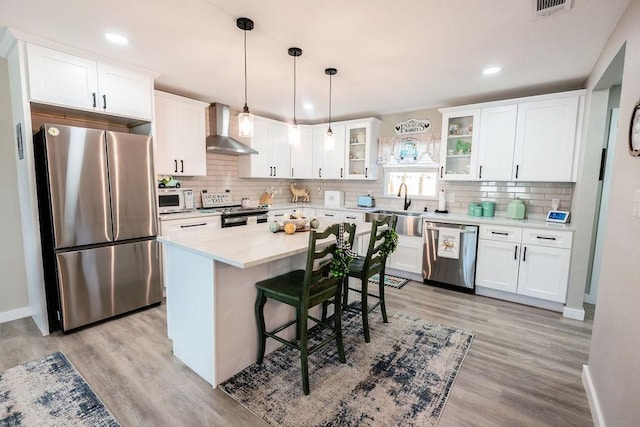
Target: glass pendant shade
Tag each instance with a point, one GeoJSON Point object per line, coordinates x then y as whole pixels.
{"type": "Point", "coordinates": [294, 134]}
{"type": "Point", "coordinates": [329, 141]}
{"type": "Point", "coordinates": [245, 124]}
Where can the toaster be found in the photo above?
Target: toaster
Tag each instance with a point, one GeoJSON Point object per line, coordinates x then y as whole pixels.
{"type": "Point", "coordinates": [366, 202]}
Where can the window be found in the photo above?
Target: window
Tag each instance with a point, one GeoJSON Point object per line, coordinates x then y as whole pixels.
{"type": "Point", "coordinates": [422, 182]}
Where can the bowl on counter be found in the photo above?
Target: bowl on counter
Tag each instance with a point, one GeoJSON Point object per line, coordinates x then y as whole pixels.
{"type": "Point", "coordinates": [298, 222]}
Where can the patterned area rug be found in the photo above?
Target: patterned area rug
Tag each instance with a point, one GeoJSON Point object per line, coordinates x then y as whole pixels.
{"type": "Point", "coordinates": [391, 281]}
{"type": "Point", "coordinates": [50, 392]}
{"type": "Point", "coordinates": [402, 377]}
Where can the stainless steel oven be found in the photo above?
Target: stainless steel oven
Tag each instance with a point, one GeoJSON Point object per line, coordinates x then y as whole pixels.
{"type": "Point", "coordinates": [238, 217]}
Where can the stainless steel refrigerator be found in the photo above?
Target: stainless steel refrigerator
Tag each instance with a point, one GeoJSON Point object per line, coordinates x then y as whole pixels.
{"type": "Point", "coordinates": [97, 208]}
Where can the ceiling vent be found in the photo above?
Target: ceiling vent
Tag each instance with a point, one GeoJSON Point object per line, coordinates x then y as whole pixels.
{"type": "Point", "coordinates": [543, 8]}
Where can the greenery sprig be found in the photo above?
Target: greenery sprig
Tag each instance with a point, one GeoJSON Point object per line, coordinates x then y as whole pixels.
{"type": "Point", "coordinates": [339, 266]}
{"type": "Point", "coordinates": [390, 242]}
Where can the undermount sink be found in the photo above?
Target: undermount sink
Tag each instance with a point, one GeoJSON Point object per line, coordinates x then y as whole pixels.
{"type": "Point", "coordinates": [409, 223]}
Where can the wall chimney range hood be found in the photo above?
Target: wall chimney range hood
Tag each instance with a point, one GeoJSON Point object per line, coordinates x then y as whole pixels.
{"type": "Point", "coordinates": [219, 140]}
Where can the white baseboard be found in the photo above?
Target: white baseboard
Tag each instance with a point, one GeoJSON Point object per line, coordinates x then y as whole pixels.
{"type": "Point", "coordinates": [573, 313]}
{"type": "Point", "coordinates": [592, 397]}
{"type": "Point", "coordinates": [18, 313]}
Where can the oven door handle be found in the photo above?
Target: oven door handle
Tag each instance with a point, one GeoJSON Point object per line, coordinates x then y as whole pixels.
{"type": "Point", "coordinates": [235, 220]}
{"type": "Point", "coordinates": [445, 228]}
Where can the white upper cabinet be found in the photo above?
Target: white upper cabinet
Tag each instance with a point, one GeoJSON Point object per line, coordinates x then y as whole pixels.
{"type": "Point", "coordinates": [302, 155]}
{"type": "Point", "coordinates": [496, 145]}
{"type": "Point", "coordinates": [546, 140]}
{"type": "Point", "coordinates": [328, 164]}
{"type": "Point", "coordinates": [58, 78]}
{"type": "Point", "coordinates": [362, 149]}
{"type": "Point", "coordinates": [180, 135]}
{"type": "Point", "coordinates": [459, 146]}
{"type": "Point", "coordinates": [271, 140]}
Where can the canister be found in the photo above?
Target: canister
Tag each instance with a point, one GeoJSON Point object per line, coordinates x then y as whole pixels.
{"type": "Point", "coordinates": [516, 209]}
{"type": "Point", "coordinates": [477, 210]}
{"type": "Point", "coordinates": [488, 208]}
{"type": "Point", "coordinates": [470, 212]}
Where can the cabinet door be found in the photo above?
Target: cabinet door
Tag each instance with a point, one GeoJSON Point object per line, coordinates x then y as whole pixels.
{"type": "Point", "coordinates": [257, 165]}
{"type": "Point", "coordinates": [165, 137]}
{"type": "Point", "coordinates": [124, 92]}
{"type": "Point", "coordinates": [279, 151]}
{"type": "Point", "coordinates": [459, 147]}
{"type": "Point", "coordinates": [192, 140]}
{"type": "Point", "coordinates": [496, 143]}
{"type": "Point", "coordinates": [497, 265]}
{"type": "Point", "coordinates": [544, 272]}
{"type": "Point", "coordinates": [302, 155]}
{"type": "Point", "coordinates": [61, 79]}
{"type": "Point", "coordinates": [545, 140]}
{"type": "Point", "coordinates": [408, 255]}
{"type": "Point", "coordinates": [357, 146]}
{"type": "Point", "coordinates": [333, 163]}
{"type": "Point", "coordinates": [317, 160]}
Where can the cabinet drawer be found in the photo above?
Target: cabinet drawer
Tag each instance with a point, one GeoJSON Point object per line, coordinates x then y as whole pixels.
{"type": "Point", "coordinates": [207, 222]}
{"type": "Point", "coordinates": [353, 216]}
{"type": "Point", "coordinates": [501, 232]}
{"type": "Point", "coordinates": [551, 238]}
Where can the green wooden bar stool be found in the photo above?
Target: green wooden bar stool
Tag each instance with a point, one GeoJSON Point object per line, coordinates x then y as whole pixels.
{"type": "Point", "coordinates": [304, 289]}
{"type": "Point", "coordinates": [382, 242]}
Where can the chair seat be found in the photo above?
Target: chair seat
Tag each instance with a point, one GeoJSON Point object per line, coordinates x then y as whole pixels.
{"type": "Point", "coordinates": [286, 288]}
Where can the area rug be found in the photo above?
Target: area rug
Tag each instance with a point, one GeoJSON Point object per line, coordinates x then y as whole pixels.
{"type": "Point", "coordinates": [50, 392]}
{"type": "Point", "coordinates": [389, 280]}
{"type": "Point", "coordinates": [402, 377]}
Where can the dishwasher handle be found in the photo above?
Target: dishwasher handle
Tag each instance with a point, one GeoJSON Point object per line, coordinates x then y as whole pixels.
{"type": "Point", "coordinates": [462, 231]}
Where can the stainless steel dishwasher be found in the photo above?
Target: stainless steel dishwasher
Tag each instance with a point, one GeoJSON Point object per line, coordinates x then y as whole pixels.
{"type": "Point", "coordinates": [450, 255]}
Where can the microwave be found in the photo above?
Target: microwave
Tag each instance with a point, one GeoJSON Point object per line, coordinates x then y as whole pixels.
{"type": "Point", "coordinates": [175, 200]}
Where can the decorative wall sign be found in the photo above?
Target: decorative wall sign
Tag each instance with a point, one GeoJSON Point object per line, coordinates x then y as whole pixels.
{"type": "Point", "coordinates": [19, 141]}
{"type": "Point", "coordinates": [412, 126]}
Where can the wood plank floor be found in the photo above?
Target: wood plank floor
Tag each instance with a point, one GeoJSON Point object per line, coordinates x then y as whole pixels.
{"type": "Point", "coordinates": [523, 368]}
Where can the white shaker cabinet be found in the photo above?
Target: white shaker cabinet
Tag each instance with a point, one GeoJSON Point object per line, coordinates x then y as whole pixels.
{"type": "Point", "coordinates": [180, 135]}
{"type": "Point", "coordinates": [497, 143]}
{"type": "Point", "coordinates": [459, 146]}
{"type": "Point", "coordinates": [271, 140]}
{"type": "Point", "coordinates": [408, 254]}
{"type": "Point", "coordinates": [361, 149]}
{"type": "Point", "coordinates": [546, 140]}
{"type": "Point", "coordinates": [523, 261]}
{"type": "Point", "coordinates": [302, 155]}
{"type": "Point", "coordinates": [329, 164]}
{"type": "Point", "coordinates": [62, 79]}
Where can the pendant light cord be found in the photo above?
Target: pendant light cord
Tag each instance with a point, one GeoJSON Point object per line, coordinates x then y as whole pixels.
{"type": "Point", "coordinates": [245, 69]}
{"type": "Point", "coordinates": [294, 91]}
{"type": "Point", "coordinates": [330, 77]}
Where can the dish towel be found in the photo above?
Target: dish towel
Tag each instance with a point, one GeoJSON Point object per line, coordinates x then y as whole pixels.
{"type": "Point", "coordinates": [449, 243]}
{"type": "Point", "coordinates": [342, 244]}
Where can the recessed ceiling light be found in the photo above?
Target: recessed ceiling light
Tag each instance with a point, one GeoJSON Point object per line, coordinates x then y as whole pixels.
{"type": "Point", "coordinates": [491, 70]}
{"type": "Point", "coordinates": [116, 38]}
{"type": "Point", "coordinates": [307, 106]}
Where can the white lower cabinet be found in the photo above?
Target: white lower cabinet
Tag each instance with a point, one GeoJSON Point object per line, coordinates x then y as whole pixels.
{"type": "Point", "coordinates": [408, 254]}
{"type": "Point", "coordinates": [206, 223]}
{"type": "Point", "coordinates": [523, 261]}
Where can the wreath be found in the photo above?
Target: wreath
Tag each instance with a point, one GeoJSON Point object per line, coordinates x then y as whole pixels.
{"type": "Point", "coordinates": [339, 266]}
{"type": "Point", "coordinates": [390, 242]}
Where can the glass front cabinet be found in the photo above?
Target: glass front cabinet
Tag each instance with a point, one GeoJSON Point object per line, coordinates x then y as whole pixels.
{"type": "Point", "coordinates": [459, 146]}
{"type": "Point", "coordinates": [361, 149]}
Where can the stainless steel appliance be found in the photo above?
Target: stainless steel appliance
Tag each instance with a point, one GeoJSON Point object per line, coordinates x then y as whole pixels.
{"type": "Point", "coordinates": [453, 265]}
{"type": "Point", "coordinates": [172, 200]}
{"type": "Point", "coordinates": [233, 215]}
{"type": "Point", "coordinates": [97, 209]}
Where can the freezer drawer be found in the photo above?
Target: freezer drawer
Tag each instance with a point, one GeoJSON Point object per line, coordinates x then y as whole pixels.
{"type": "Point", "coordinates": [457, 271]}
{"type": "Point", "coordinates": [98, 283]}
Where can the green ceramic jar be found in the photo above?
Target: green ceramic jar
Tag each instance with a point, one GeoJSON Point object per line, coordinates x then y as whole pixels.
{"type": "Point", "coordinates": [516, 209]}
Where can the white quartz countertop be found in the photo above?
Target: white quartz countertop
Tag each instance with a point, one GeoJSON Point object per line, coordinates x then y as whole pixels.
{"type": "Point", "coordinates": [463, 218]}
{"type": "Point", "coordinates": [246, 246]}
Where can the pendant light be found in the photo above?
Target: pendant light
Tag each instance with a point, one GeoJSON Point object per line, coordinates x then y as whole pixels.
{"type": "Point", "coordinates": [294, 128]}
{"type": "Point", "coordinates": [245, 119]}
{"type": "Point", "coordinates": [329, 138]}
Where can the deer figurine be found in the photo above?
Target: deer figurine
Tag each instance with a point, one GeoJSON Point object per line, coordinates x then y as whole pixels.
{"type": "Point", "coordinates": [299, 192]}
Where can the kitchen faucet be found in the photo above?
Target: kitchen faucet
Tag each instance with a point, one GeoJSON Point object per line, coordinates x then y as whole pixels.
{"type": "Point", "coordinates": [406, 203]}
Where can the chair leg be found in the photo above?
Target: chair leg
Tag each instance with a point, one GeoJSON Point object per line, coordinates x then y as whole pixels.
{"type": "Point", "coordinates": [365, 309]}
{"type": "Point", "coordinates": [262, 338]}
{"type": "Point", "coordinates": [345, 291]}
{"type": "Point", "coordinates": [383, 306]}
{"type": "Point", "coordinates": [337, 324]}
{"type": "Point", "coordinates": [325, 304]}
{"type": "Point", "coordinates": [304, 350]}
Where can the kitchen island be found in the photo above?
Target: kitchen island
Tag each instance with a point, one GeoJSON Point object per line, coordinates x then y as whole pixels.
{"type": "Point", "coordinates": [210, 279]}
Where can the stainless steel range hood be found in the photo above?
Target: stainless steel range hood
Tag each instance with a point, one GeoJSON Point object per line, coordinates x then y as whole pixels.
{"type": "Point", "coordinates": [219, 140]}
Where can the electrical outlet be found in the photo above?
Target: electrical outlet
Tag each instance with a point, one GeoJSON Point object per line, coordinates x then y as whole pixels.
{"type": "Point", "coordinates": [555, 204]}
{"type": "Point", "coordinates": [451, 198]}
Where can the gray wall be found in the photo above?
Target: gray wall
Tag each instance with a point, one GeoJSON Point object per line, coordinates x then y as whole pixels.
{"type": "Point", "coordinates": [13, 285]}
{"type": "Point", "coordinates": [615, 345]}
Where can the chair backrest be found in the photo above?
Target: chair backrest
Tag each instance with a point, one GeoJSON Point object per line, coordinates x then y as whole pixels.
{"type": "Point", "coordinates": [319, 259]}
{"type": "Point", "coordinates": [375, 260]}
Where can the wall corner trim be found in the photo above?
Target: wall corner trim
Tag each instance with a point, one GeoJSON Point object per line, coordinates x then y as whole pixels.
{"type": "Point", "coordinates": [573, 313]}
{"type": "Point", "coordinates": [594, 404]}
{"type": "Point", "coordinates": [18, 313]}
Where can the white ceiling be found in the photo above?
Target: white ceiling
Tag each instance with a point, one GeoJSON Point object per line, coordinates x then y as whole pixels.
{"type": "Point", "coordinates": [391, 56]}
